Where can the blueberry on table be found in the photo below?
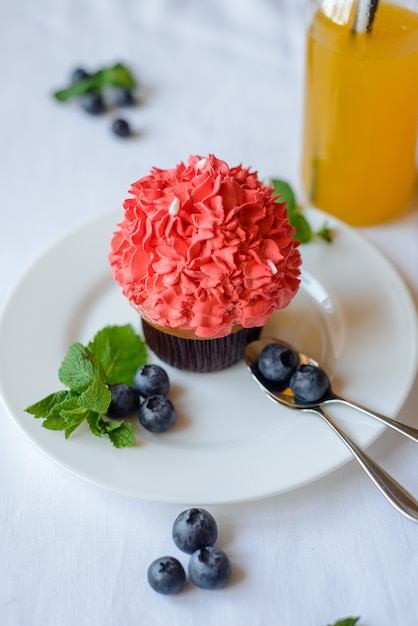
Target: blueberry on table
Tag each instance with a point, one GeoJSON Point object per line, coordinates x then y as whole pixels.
{"type": "Point", "coordinates": [309, 383]}
{"type": "Point", "coordinates": [157, 414]}
{"type": "Point", "coordinates": [124, 401]}
{"type": "Point", "coordinates": [166, 575]}
{"type": "Point", "coordinates": [121, 128]}
{"type": "Point", "coordinates": [79, 74]}
{"type": "Point", "coordinates": [194, 528]}
{"type": "Point", "coordinates": [124, 97]}
{"type": "Point", "coordinates": [209, 568]}
{"type": "Point", "coordinates": [151, 380]}
{"type": "Point", "coordinates": [92, 102]}
{"type": "Point", "coordinates": [277, 362]}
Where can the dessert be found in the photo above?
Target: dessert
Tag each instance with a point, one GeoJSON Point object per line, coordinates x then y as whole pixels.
{"type": "Point", "coordinates": [205, 254]}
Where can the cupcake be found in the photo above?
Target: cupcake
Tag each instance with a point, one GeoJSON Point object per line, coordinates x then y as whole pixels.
{"type": "Point", "coordinates": [205, 255]}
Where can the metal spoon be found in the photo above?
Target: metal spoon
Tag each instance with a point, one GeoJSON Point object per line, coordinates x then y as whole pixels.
{"type": "Point", "coordinates": [389, 487]}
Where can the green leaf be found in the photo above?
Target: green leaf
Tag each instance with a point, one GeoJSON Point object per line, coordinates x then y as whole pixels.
{"type": "Point", "coordinates": [115, 76]}
{"type": "Point", "coordinates": [303, 230]}
{"type": "Point", "coordinates": [348, 621]}
{"type": "Point", "coordinates": [112, 357]}
{"type": "Point", "coordinates": [96, 397]}
{"type": "Point", "coordinates": [77, 89]}
{"type": "Point", "coordinates": [123, 436]}
{"type": "Point", "coordinates": [325, 233]}
{"type": "Point", "coordinates": [65, 415]}
{"type": "Point", "coordinates": [45, 406]}
{"type": "Point", "coordinates": [95, 421]}
{"type": "Point", "coordinates": [54, 422]}
{"type": "Point", "coordinates": [286, 193]}
{"type": "Point", "coordinates": [80, 368]}
{"type": "Point", "coordinates": [66, 420]}
{"type": "Point", "coordinates": [120, 351]}
{"type": "Point", "coordinates": [120, 433]}
{"type": "Point", "coordinates": [73, 421]}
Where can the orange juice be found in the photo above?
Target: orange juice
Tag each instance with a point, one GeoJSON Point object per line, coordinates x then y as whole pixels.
{"type": "Point", "coordinates": [361, 115]}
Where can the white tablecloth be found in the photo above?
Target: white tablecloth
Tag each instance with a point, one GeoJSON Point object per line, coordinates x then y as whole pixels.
{"type": "Point", "coordinates": [223, 77]}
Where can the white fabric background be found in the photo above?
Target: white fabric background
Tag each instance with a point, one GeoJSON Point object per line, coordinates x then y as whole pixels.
{"type": "Point", "coordinates": [226, 77]}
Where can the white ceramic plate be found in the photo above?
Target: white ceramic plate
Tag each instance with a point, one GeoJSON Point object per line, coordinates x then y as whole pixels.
{"type": "Point", "coordinates": [231, 443]}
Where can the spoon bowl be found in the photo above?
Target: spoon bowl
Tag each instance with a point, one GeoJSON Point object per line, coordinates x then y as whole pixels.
{"type": "Point", "coordinates": [282, 394]}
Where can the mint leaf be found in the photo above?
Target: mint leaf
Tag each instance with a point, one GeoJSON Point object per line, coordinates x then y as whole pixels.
{"type": "Point", "coordinates": [94, 421]}
{"type": "Point", "coordinates": [325, 233]}
{"type": "Point", "coordinates": [54, 422]}
{"type": "Point", "coordinates": [286, 193]}
{"type": "Point", "coordinates": [45, 406]}
{"type": "Point", "coordinates": [80, 368]}
{"type": "Point", "coordinates": [96, 397]}
{"type": "Point", "coordinates": [303, 230]}
{"type": "Point", "coordinates": [73, 418]}
{"type": "Point", "coordinates": [120, 433]}
{"type": "Point", "coordinates": [121, 352]}
{"type": "Point", "coordinates": [113, 356]}
{"type": "Point", "coordinates": [348, 621]}
{"type": "Point", "coordinates": [115, 76]}
{"type": "Point", "coordinates": [65, 415]}
{"type": "Point", "coordinates": [68, 421]}
{"type": "Point", "coordinates": [123, 436]}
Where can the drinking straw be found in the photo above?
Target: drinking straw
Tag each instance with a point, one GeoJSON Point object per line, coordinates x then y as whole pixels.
{"type": "Point", "coordinates": [365, 13]}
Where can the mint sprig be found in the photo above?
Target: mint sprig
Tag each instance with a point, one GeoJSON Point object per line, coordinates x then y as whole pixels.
{"type": "Point", "coordinates": [303, 230]}
{"type": "Point", "coordinates": [113, 356]}
{"type": "Point", "coordinates": [348, 621]}
{"type": "Point", "coordinates": [114, 76]}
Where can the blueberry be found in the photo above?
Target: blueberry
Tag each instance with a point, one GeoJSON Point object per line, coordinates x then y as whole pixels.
{"type": "Point", "coordinates": [193, 529]}
{"type": "Point", "coordinates": [151, 380]}
{"type": "Point", "coordinates": [209, 568]}
{"type": "Point", "coordinates": [124, 401]}
{"type": "Point", "coordinates": [277, 362]}
{"type": "Point", "coordinates": [124, 97]}
{"type": "Point", "coordinates": [92, 102]}
{"type": "Point", "coordinates": [121, 128]}
{"type": "Point", "coordinates": [79, 74]}
{"type": "Point", "coordinates": [166, 575]}
{"type": "Point", "coordinates": [309, 383]}
{"type": "Point", "coordinates": [157, 414]}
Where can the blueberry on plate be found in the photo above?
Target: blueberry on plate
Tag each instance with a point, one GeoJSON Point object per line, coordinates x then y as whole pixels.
{"type": "Point", "coordinates": [209, 568]}
{"type": "Point", "coordinates": [277, 362]}
{"type": "Point", "coordinates": [124, 401]}
{"type": "Point", "coordinates": [151, 380]}
{"type": "Point", "coordinates": [309, 383]}
{"type": "Point", "coordinates": [121, 128]}
{"type": "Point", "coordinates": [166, 575]}
{"type": "Point", "coordinates": [157, 414]}
{"type": "Point", "coordinates": [193, 529]}
{"type": "Point", "coordinates": [92, 102]}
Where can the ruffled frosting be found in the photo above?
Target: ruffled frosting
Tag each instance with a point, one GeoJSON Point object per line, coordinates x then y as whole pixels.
{"type": "Point", "coordinates": [203, 247]}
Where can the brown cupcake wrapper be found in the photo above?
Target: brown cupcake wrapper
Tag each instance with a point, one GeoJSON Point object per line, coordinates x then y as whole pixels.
{"type": "Point", "coordinates": [199, 355]}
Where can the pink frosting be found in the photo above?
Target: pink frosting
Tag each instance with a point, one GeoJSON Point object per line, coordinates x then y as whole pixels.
{"type": "Point", "coordinates": [204, 246]}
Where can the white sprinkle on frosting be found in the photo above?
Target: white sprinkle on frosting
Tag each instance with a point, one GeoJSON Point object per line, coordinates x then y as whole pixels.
{"type": "Point", "coordinates": [272, 266]}
{"type": "Point", "coordinates": [201, 164]}
{"type": "Point", "coordinates": [174, 207]}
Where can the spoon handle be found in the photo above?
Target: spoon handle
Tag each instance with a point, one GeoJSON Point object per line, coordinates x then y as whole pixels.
{"type": "Point", "coordinates": [403, 429]}
{"type": "Point", "coordinates": [389, 487]}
